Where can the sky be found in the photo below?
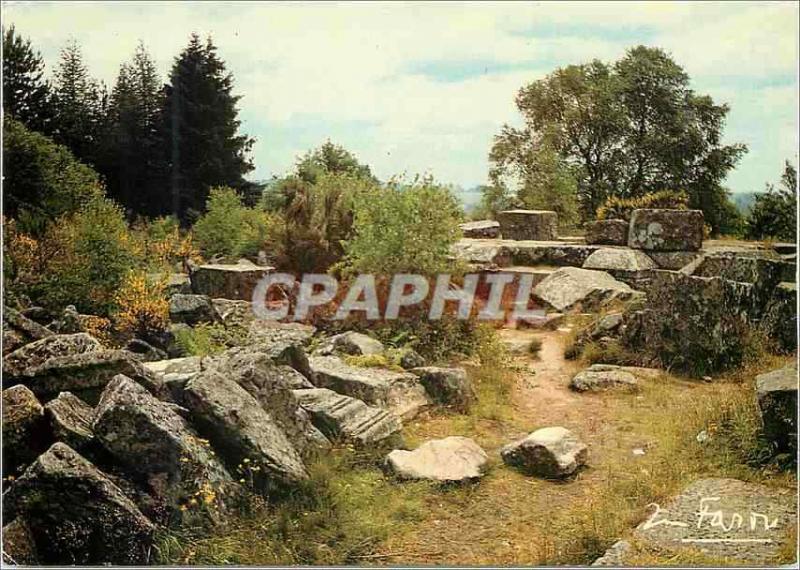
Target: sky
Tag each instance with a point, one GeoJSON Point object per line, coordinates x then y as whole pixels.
{"type": "Point", "coordinates": [414, 87]}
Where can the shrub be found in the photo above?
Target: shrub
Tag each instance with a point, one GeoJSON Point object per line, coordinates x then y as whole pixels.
{"type": "Point", "coordinates": [84, 258]}
{"type": "Point", "coordinates": [622, 208]}
{"type": "Point", "coordinates": [229, 229]}
{"type": "Point", "coordinates": [42, 179]}
{"type": "Point", "coordinates": [535, 346]}
{"type": "Point", "coordinates": [774, 213]}
{"type": "Point", "coordinates": [318, 218]}
{"type": "Point", "coordinates": [142, 308]}
{"type": "Point", "coordinates": [164, 244]}
{"type": "Point", "coordinates": [404, 228]}
{"type": "Point", "coordinates": [206, 339]}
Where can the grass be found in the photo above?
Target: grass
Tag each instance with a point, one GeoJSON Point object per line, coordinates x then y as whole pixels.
{"type": "Point", "coordinates": [351, 513]}
{"type": "Point", "coordinates": [340, 515]}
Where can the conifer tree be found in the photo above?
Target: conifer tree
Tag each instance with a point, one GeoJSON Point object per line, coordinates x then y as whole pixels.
{"type": "Point", "coordinates": [201, 124]}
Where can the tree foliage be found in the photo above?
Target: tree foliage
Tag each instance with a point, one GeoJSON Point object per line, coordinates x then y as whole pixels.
{"type": "Point", "coordinates": [774, 213]}
{"type": "Point", "coordinates": [26, 93]}
{"type": "Point", "coordinates": [229, 229]}
{"type": "Point", "coordinates": [81, 107]}
{"type": "Point", "coordinates": [43, 180]}
{"type": "Point", "coordinates": [623, 129]}
{"type": "Point", "coordinates": [136, 167]}
{"type": "Point", "coordinates": [201, 129]}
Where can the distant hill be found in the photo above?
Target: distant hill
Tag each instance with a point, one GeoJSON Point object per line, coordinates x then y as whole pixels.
{"type": "Point", "coordinates": [470, 197]}
{"type": "Point", "coordinates": [744, 201]}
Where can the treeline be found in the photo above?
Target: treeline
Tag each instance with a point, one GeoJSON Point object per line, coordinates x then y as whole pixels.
{"type": "Point", "coordinates": [158, 147]}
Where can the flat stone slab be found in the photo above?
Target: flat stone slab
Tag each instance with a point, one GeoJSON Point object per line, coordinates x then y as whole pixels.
{"type": "Point", "coordinates": [528, 224]}
{"type": "Point", "coordinates": [228, 281]}
{"type": "Point", "coordinates": [481, 229]}
{"type": "Point", "coordinates": [488, 253]}
{"type": "Point", "coordinates": [724, 518]}
{"type": "Point", "coordinates": [452, 459]}
{"type": "Point", "coordinates": [342, 417]}
{"type": "Point", "coordinates": [400, 392]}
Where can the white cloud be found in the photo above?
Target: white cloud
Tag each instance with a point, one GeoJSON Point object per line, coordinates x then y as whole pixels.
{"type": "Point", "coordinates": [352, 64]}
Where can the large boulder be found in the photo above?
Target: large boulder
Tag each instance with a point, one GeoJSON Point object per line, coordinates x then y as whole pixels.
{"type": "Point", "coordinates": [241, 429]}
{"type": "Point", "coordinates": [351, 342]}
{"type": "Point", "coordinates": [37, 352]}
{"type": "Point", "coordinates": [271, 385]}
{"type": "Point", "coordinates": [607, 232]}
{"type": "Point", "coordinates": [666, 230]}
{"type": "Point", "coordinates": [540, 225]}
{"type": "Point", "coordinates": [71, 421]}
{"type": "Point", "coordinates": [779, 320]}
{"type": "Point", "coordinates": [481, 229]}
{"type": "Point", "coordinates": [19, 548]}
{"type": "Point", "coordinates": [696, 324]}
{"type": "Point", "coordinates": [346, 418]}
{"type": "Point", "coordinates": [447, 386]}
{"type": "Point", "coordinates": [552, 452]}
{"type": "Point", "coordinates": [147, 437]}
{"type": "Point", "coordinates": [622, 259]}
{"type": "Point", "coordinates": [400, 392]}
{"type": "Point", "coordinates": [85, 374]}
{"type": "Point", "coordinates": [283, 343]}
{"type": "Point", "coordinates": [19, 330]}
{"type": "Point", "coordinates": [603, 377]}
{"type": "Point", "coordinates": [22, 427]}
{"type": "Point", "coordinates": [191, 309]}
{"type": "Point", "coordinates": [724, 518]}
{"type": "Point", "coordinates": [76, 514]}
{"type": "Point", "coordinates": [450, 460]}
{"type": "Point", "coordinates": [573, 288]}
{"type": "Point", "coordinates": [776, 393]}
{"type": "Point", "coordinates": [765, 274]}
{"type": "Point", "coordinates": [232, 281]}
{"type": "Point", "coordinates": [234, 313]}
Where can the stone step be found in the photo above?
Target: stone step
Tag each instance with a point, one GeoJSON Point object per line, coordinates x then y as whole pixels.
{"type": "Point", "coordinates": [339, 416]}
{"type": "Point", "coordinates": [400, 392]}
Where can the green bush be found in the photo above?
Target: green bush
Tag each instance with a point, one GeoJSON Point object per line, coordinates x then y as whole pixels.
{"type": "Point", "coordinates": [616, 208]}
{"type": "Point", "coordinates": [403, 228]}
{"type": "Point", "coordinates": [774, 213]}
{"type": "Point", "coordinates": [229, 229]}
{"type": "Point", "coordinates": [84, 258]}
{"type": "Point", "coordinates": [43, 180]}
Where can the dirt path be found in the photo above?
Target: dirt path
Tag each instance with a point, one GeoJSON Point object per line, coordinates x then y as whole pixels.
{"type": "Point", "coordinates": [642, 447]}
{"type": "Point", "coordinates": [495, 522]}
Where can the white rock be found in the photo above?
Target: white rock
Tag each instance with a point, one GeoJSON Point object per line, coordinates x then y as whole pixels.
{"type": "Point", "coordinates": [456, 459]}
{"type": "Point", "coordinates": [552, 452]}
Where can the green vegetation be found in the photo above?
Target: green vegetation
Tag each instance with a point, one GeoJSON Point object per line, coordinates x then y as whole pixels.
{"type": "Point", "coordinates": [608, 130]}
{"type": "Point", "coordinates": [404, 228]}
{"type": "Point", "coordinates": [774, 213]}
{"type": "Point", "coordinates": [207, 339]}
{"type": "Point", "coordinates": [229, 229]}
{"type": "Point", "coordinates": [622, 208]}
{"type": "Point", "coordinates": [43, 180]}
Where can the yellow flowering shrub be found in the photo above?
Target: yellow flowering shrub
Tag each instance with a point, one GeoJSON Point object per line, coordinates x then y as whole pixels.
{"type": "Point", "coordinates": [621, 208]}
{"type": "Point", "coordinates": [142, 306]}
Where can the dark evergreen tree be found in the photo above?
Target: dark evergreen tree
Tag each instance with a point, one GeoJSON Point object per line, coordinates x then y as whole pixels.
{"type": "Point", "coordinates": [26, 94]}
{"type": "Point", "coordinates": [201, 129]}
{"type": "Point", "coordinates": [81, 108]}
{"type": "Point", "coordinates": [136, 164]}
